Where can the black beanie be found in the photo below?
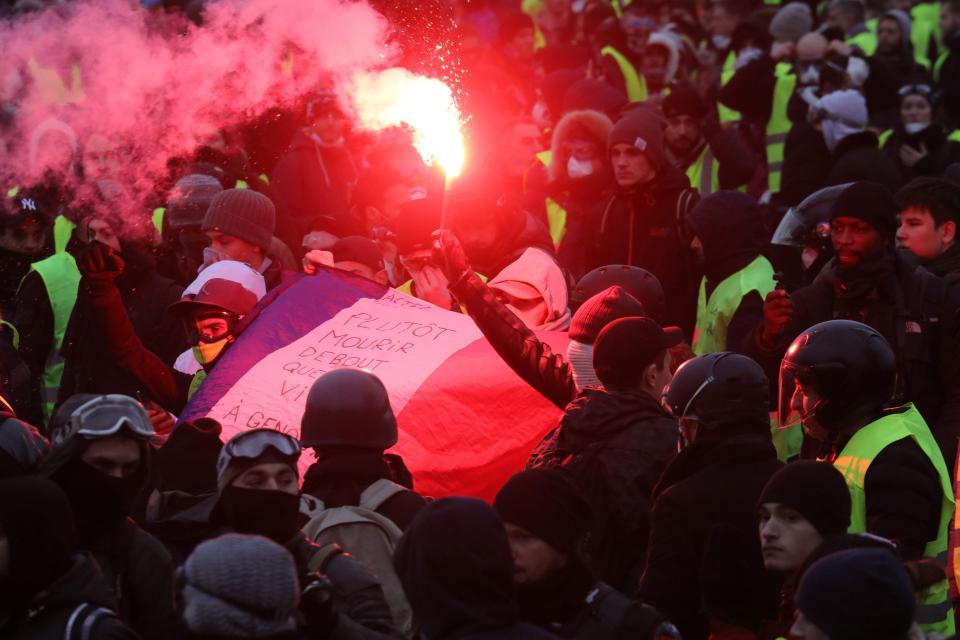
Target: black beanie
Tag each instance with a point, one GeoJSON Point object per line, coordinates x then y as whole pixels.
{"type": "Point", "coordinates": [858, 594]}
{"type": "Point", "coordinates": [548, 504]}
{"type": "Point", "coordinates": [870, 202]}
{"type": "Point", "coordinates": [815, 490]}
{"type": "Point", "coordinates": [684, 100]}
{"type": "Point", "coordinates": [187, 461]}
{"type": "Point", "coordinates": [643, 129]}
{"type": "Point", "coordinates": [244, 214]}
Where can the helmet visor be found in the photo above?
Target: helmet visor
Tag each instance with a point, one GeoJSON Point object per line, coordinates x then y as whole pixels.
{"type": "Point", "coordinates": [799, 398]}
{"type": "Point", "coordinates": [104, 416]}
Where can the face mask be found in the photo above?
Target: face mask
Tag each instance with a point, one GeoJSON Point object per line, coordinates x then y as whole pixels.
{"type": "Point", "coordinates": [211, 255]}
{"type": "Point", "coordinates": [207, 352]}
{"type": "Point", "coordinates": [579, 169]}
{"type": "Point", "coordinates": [268, 513]}
{"type": "Point", "coordinates": [915, 127]}
{"type": "Point", "coordinates": [809, 76]}
{"type": "Point", "coordinates": [97, 499]}
{"type": "Point", "coordinates": [720, 42]}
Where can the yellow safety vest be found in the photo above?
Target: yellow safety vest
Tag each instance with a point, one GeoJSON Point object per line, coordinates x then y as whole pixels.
{"type": "Point", "coordinates": [157, 218]}
{"type": "Point", "coordinates": [636, 84]}
{"type": "Point", "coordinates": [704, 172]}
{"type": "Point", "coordinates": [62, 230]}
{"type": "Point", "coordinates": [61, 278]}
{"type": "Point", "coordinates": [556, 214]}
{"type": "Point", "coordinates": [925, 30]}
{"type": "Point", "coordinates": [778, 127]}
{"type": "Point", "coordinates": [867, 41]}
{"type": "Point", "coordinates": [725, 113]}
{"type": "Point", "coordinates": [715, 313]}
{"type": "Point", "coordinates": [954, 135]}
{"type": "Point", "coordinates": [934, 613]}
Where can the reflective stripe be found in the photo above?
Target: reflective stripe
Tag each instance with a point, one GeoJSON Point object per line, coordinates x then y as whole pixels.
{"type": "Point", "coordinates": [777, 130]}
{"type": "Point", "coordinates": [557, 220]}
{"type": "Point", "coordinates": [933, 613]}
{"type": "Point", "coordinates": [636, 84]}
{"type": "Point", "coordinates": [883, 137]}
{"type": "Point", "coordinates": [715, 313]}
{"type": "Point", "coordinates": [157, 218]}
{"type": "Point", "coordinates": [703, 173]}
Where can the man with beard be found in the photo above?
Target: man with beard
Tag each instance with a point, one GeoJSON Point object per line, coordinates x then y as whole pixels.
{"type": "Point", "coordinates": [712, 158]}
{"type": "Point", "coordinates": [869, 282]}
{"type": "Point", "coordinates": [891, 67]}
{"type": "Point", "coordinates": [101, 460]}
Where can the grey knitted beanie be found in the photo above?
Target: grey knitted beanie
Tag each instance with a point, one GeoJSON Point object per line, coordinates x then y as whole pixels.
{"type": "Point", "coordinates": [244, 214]}
{"type": "Point", "coordinates": [240, 586]}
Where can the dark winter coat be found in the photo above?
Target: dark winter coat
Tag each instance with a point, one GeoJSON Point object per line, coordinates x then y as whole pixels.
{"type": "Point", "coordinates": [706, 486]}
{"type": "Point", "coordinates": [48, 615]}
{"type": "Point", "coordinates": [310, 180]}
{"type": "Point", "coordinates": [641, 228]}
{"type": "Point", "coordinates": [858, 158]}
{"type": "Point", "coordinates": [806, 163]}
{"type": "Point", "coordinates": [145, 297]}
{"type": "Point", "coordinates": [881, 89]}
{"type": "Point", "coordinates": [948, 74]}
{"type": "Point", "coordinates": [947, 266]}
{"type": "Point", "coordinates": [572, 603]}
{"type": "Point", "coordinates": [941, 152]}
{"type": "Point", "coordinates": [615, 446]}
{"type": "Point", "coordinates": [888, 296]}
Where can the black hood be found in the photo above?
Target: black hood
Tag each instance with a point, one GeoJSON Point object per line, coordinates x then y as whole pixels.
{"type": "Point", "coordinates": [730, 227]}
{"type": "Point", "coordinates": [456, 568]}
{"type": "Point", "coordinates": [598, 414]}
{"type": "Point", "coordinates": [36, 519]}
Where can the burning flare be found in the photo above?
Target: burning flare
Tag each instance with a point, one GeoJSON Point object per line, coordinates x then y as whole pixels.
{"type": "Point", "coordinates": [397, 97]}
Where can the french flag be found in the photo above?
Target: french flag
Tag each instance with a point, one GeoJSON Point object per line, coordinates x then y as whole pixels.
{"type": "Point", "coordinates": [467, 422]}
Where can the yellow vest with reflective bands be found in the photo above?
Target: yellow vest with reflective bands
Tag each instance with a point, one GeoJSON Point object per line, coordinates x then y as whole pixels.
{"type": "Point", "coordinates": [934, 613]}
{"type": "Point", "coordinates": [61, 278]}
{"type": "Point", "coordinates": [704, 173]}
{"type": "Point", "coordinates": [778, 127]}
{"type": "Point", "coordinates": [714, 314]}
{"type": "Point", "coordinates": [636, 84]}
{"type": "Point", "coordinates": [867, 42]}
{"type": "Point", "coordinates": [62, 230]}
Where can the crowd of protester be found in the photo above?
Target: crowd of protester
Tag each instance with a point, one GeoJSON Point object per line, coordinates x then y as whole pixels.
{"type": "Point", "coordinates": [744, 214]}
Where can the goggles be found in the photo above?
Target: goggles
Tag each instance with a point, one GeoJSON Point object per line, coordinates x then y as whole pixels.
{"type": "Point", "coordinates": [919, 89]}
{"type": "Point", "coordinates": [252, 444]}
{"type": "Point", "coordinates": [222, 331]}
{"type": "Point", "coordinates": [104, 416]}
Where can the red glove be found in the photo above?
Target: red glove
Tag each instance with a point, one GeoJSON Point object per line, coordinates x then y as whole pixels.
{"type": "Point", "coordinates": [99, 262]}
{"type": "Point", "coordinates": [449, 254]}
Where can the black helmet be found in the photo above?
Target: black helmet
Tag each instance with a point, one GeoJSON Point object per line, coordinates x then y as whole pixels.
{"type": "Point", "coordinates": [348, 408]}
{"type": "Point", "coordinates": [718, 388]}
{"type": "Point", "coordinates": [847, 370]}
{"type": "Point", "coordinates": [639, 283]}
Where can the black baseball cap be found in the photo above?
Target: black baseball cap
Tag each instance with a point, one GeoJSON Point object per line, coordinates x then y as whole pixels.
{"type": "Point", "coordinates": [358, 249]}
{"type": "Point", "coordinates": [625, 347]}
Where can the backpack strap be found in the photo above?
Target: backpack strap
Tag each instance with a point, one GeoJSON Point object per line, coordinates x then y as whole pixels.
{"type": "Point", "coordinates": [607, 605]}
{"type": "Point", "coordinates": [81, 622]}
{"type": "Point", "coordinates": [686, 201]}
{"type": "Point", "coordinates": [379, 492]}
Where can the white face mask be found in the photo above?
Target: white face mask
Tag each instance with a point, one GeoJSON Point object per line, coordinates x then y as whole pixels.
{"type": "Point", "coordinates": [915, 127]}
{"type": "Point", "coordinates": [746, 56]}
{"type": "Point", "coordinates": [719, 41]}
{"type": "Point", "coordinates": [211, 255]}
{"type": "Point", "coordinates": [579, 169]}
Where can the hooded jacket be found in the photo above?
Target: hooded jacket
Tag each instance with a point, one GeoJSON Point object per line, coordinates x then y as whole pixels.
{"type": "Point", "coordinates": [639, 225]}
{"type": "Point", "coordinates": [615, 446]}
{"type": "Point", "coordinates": [455, 565]}
{"type": "Point", "coordinates": [137, 568]}
{"type": "Point", "coordinates": [889, 72]}
{"type": "Point", "coordinates": [535, 290]}
{"type": "Point", "coordinates": [48, 579]}
{"type": "Point", "coordinates": [858, 158]}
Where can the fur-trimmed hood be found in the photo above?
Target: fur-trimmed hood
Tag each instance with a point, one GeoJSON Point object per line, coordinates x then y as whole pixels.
{"type": "Point", "coordinates": [586, 124]}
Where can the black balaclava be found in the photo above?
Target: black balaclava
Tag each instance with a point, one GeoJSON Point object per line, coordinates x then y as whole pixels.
{"type": "Point", "coordinates": [36, 519]}
{"type": "Point", "coordinates": [266, 512]}
{"type": "Point", "coordinates": [730, 227]}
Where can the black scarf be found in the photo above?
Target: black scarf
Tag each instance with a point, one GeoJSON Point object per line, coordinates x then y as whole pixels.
{"type": "Point", "coordinates": [553, 601]}
{"type": "Point", "coordinates": [338, 479]}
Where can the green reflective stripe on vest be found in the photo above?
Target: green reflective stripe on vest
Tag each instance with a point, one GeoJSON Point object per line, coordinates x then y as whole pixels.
{"type": "Point", "coordinates": [14, 333]}
{"type": "Point", "coordinates": [933, 614]}
{"type": "Point", "coordinates": [62, 230]}
{"type": "Point", "coordinates": [777, 129]}
{"type": "Point", "coordinates": [725, 113]}
{"type": "Point", "coordinates": [954, 135]}
{"type": "Point", "coordinates": [557, 220]}
{"type": "Point", "coordinates": [13, 191]}
{"type": "Point", "coordinates": [61, 278]}
{"type": "Point", "coordinates": [618, 6]}
{"type": "Point", "coordinates": [195, 383]}
{"type": "Point", "coordinates": [714, 315]}
{"type": "Point", "coordinates": [265, 179]}
{"type": "Point", "coordinates": [157, 218]}
{"type": "Point", "coordinates": [783, 69]}
{"type": "Point", "coordinates": [636, 84]}
{"type": "Point", "coordinates": [787, 442]}
{"type": "Point", "coordinates": [704, 173]}
{"type": "Point", "coordinates": [867, 42]}
{"type": "Point", "coordinates": [883, 137]}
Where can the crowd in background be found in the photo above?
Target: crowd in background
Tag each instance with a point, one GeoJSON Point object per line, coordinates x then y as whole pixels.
{"type": "Point", "coordinates": [743, 214]}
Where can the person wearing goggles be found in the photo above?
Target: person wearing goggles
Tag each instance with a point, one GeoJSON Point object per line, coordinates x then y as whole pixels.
{"type": "Point", "coordinates": [838, 379]}
{"type": "Point", "coordinates": [918, 143]}
{"type": "Point", "coordinates": [100, 458]}
{"type": "Point", "coordinates": [259, 493]}
{"type": "Point", "coordinates": [721, 401]}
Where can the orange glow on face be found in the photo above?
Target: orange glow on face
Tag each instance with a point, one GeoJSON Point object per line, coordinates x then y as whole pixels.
{"type": "Point", "coordinates": [397, 97]}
